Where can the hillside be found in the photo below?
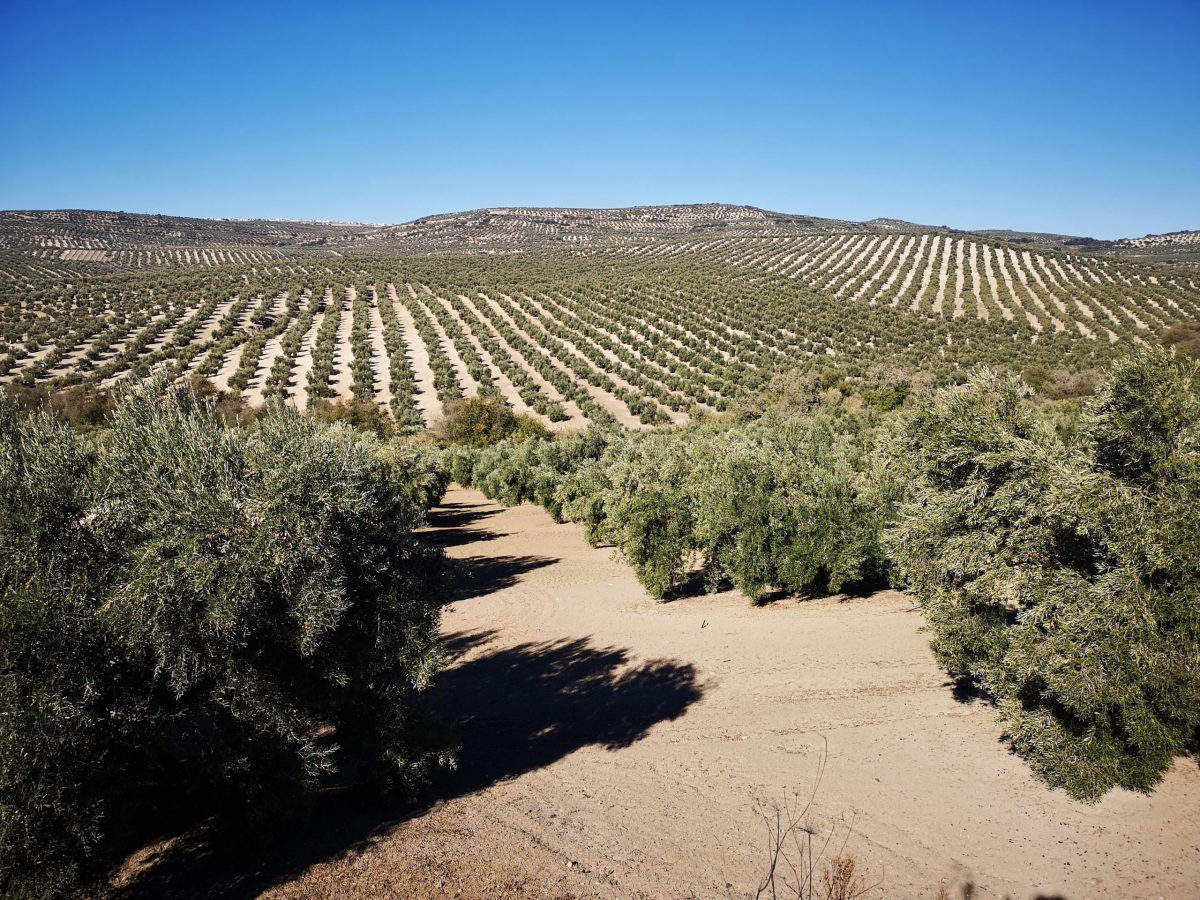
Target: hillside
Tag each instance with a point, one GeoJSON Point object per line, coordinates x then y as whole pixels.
{"type": "Point", "coordinates": [637, 316]}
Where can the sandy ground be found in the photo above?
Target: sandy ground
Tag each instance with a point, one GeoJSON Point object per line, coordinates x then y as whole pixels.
{"type": "Point", "coordinates": [272, 350]}
{"type": "Point", "coordinates": [546, 314]}
{"type": "Point", "coordinates": [647, 733]}
{"type": "Point", "coordinates": [943, 276]}
{"type": "Point", "coordinates": [231, 360]}
{"type": "Point", "coordinates": [426, 397]}
{"type": "Point", "coordinates": [381, 375]}
{"type": "Point", "coordinates": [503, 383]}
{"type": "Point", "coordinates": [303, 365]}
{"type": "Point", "coordinates": [617, 747]}
{"type": "Point", "coordinates": [425, 300]}
{"type": "Point", "coordinates": [600, 397]}
{"type": "Point", "coordinates": [910, 270]}
{"type": "Point", "coordinates": [927, 273]}
{"type": "Point", "coordinates": [575, 418]}
{"type": "Point", "coordinates": [342, 379]}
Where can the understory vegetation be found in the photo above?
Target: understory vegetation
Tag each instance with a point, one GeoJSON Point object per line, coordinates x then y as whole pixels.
{"type": "Point", "coordinates": [1054, 545]}
{"type": "Point", "coordinates": [189, 607]}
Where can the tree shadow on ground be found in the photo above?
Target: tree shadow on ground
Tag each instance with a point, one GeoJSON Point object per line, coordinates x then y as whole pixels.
{"type": "Point", "coordinates": [523, 707]}
{"type": "Point", "coordinates": [455, 537]}
{"type": "Point", "coordinates": [967, 691]}
{"type": "Point", "coordinates": [478, 576]}
{"type": "Point", "coordinates": [515, 709]}
{"type": "Point", "coordinates": [452, 525]}
{"type": "Point", "coordinates": [459, 515]}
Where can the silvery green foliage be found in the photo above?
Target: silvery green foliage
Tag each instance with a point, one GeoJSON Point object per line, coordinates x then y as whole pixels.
{"type": "Point", "coordinates": [179, 590]}
{"type": "Point", "coordinates": [1064, 578]}
{"type": "Point", "coordinates": [57, 730]}
{"type": "Point", "coordinates": [793, 502]}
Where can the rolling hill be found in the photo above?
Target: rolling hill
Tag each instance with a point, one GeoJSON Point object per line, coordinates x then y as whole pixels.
{"type": "Point", "coordinates": [638, 316]}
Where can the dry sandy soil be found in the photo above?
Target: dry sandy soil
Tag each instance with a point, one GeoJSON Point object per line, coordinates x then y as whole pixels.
{"type": "Point", "coordinates": [617, 747]}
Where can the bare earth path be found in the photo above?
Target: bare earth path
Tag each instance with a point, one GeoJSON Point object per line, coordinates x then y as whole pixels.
{"type": "Point", "coordinates": [617, 747]}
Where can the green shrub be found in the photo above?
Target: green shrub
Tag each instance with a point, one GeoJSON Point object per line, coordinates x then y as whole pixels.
{"type": "Point", "coordinates": [1185, 338]}
{"type": "Point", "coordinates": [364, 415]}
{"type": "Point", "coordinates": [187, 605]}
{"type": "Point", "coordinates": [478, 421]}
{"type": "Point", "coordinates": [1064, 578]}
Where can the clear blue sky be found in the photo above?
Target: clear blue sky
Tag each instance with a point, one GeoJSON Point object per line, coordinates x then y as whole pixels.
{"type": "Point", "coordinates": [1080, 117]}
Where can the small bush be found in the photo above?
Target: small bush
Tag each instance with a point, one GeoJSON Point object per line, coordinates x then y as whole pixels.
{"type": "Point", "coordinates": [83, 406]}
{"type": "Point", "coordinates": [1184, 338]}
{"type": "Point", "coordinates": [479, 421]}
{"type": "Point", "coordinates": [363, 415]}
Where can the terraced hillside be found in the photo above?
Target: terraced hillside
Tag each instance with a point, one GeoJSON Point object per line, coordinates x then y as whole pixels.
{"type": "Point", "coordinates": [639, 317]}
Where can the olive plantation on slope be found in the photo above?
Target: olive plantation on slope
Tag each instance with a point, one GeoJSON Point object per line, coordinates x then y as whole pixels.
{"type": "Point", "coordinates": [638, 317]}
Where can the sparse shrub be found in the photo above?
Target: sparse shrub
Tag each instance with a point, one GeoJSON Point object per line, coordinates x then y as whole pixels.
{"type": "Point", "coordinates": [1064, 385]}
{"type": "Point", "coordinates": [478, 421]}
{"type": "Point", "coordinates": [1185, 338]}
{"type": "Point", "coordinates": [226, 404]}
{"type": "Point", "coordinates": [83, 406]}
{"type": "Point", "coordinates": [364, 415]}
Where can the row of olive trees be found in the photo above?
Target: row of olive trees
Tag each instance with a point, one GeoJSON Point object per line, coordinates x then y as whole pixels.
{"type": "Point", "coordinates": [186, 606]}
{"type": "Point", "coordinates": [1055, 551]}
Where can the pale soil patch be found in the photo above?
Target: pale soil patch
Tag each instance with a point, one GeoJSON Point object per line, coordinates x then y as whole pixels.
{"type": "Point", "coordinates": [229, 363]}
{"type": "Point", "coordinates": [600, 397]}
{"type": "Point", "coordinates": [960, 270]}
{"type": "Point", "coordinates": [150, 347]}
{"type": "Point", "coordinates": [342, 378]}
{"type": "Point", "coordinates": [503, 383]}
{"type": "Point", "coordinates": [1033, 269]}
{"type": "Point", "coordinates": [254, 387]}
{"type": "Point", "coordinates": [272, 350]}
{"type": "Point", "coordinates": [233, 359]}
{"type": "Point", "coordinates": [546, 315]}
{"type": "Point", "coordinates": [470, 386]}
{"type": "Point", "coordinates": [836, 259]}
{"type": "Point", "coordinates": [119, 347]}
{"type": "Point", "coordinates": [163, 339]}
{"type": "Point", "coordinates": [911, 271]}
{"type": "Point", "coordinates": [677, 418]}
{"type": "Point", "coordinates": [425, 397]}
{"type": "Point", "coordinates": [981, 311]}
{"type": "Point", "coordinates": [575, 417]}
{"type": "Point", "coordinates": [645, 333]}
{"type": "Point", "coordinates": [820, 255]}
{"type": "Point", "coordinates": [615, 747]}
{"type": "Point", "coordinates": [298, 377]}
{"type": "Point", "coordinates": [1023, 280]}
{"type": "Point", "coordinates": [205, 332]}
{"type": "Point", "coordinates": [71, 359]}
{"type": "Point", "coordinates": [878, 271]}
{"type": "Point", "coordinates": [873, 247]}
{"type": "Point", "coordinates": [943, 276]}
{"type": "Point", "coordinates": [1034, 322]}
{"type": "Point", "coordinates": [927, 273]}
{"type": "Point", "coordinates": [993, 284]}
{"type": "Point", "coordinates": [28, 361]}
{"type": "Point", "coordinates": [381, 374]}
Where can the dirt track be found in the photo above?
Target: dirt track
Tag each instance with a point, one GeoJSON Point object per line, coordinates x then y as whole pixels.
{"type": "Point", "coordinates": [635, 739]}
{"type": "Point", "coordinates": [617, 747]}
